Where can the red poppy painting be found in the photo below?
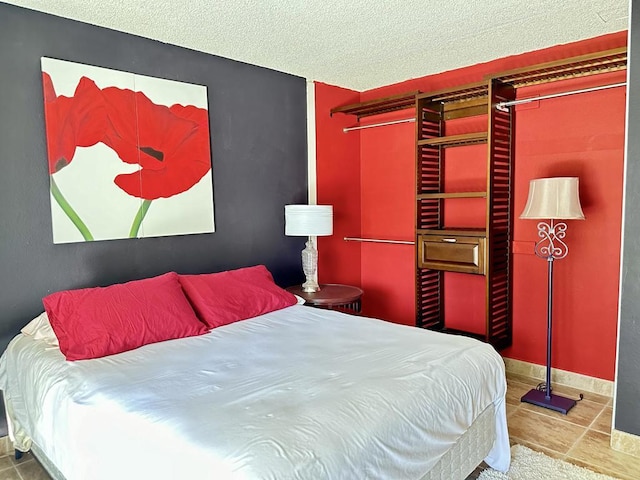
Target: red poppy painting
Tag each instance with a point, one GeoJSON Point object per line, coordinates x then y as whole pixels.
{"type": "Point", "coordinates": [128, 155]}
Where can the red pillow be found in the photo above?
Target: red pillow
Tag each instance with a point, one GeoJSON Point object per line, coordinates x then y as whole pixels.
{"type": "Point", "coordinates": [226, 297]}
{"type": "Point", "coordinates": [94, 322]}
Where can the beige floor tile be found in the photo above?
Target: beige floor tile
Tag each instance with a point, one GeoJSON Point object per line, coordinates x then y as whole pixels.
{"type": "Point", "coordinates": [583, 414]}
{"type": "Point", "coordinates": [544, 430]}
{"type": "Point", "coordinates": [32, 471]}
{"type": "Point", "coordinates": [593, 449]}
{"type": "Point", "coordinates": [599, 469]}
{"type": "Point", "coordinates": [511, 408]}
{"type": "Point", "coordinates": [26, 457]}
{"type": "Point", "coordinates": [11, 474]}
{"type": "Point", "coordinates": [536, 447]}
{"type": "Point", "coordinates": [515, 391]}
{"type": "Point", "coordinates": [603, 422]}
{"type": "Point", "coordinates": [5, 462]}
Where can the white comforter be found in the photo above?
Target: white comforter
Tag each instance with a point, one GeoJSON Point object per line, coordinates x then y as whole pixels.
{"type": "Point", "coordinates": [300, 393]}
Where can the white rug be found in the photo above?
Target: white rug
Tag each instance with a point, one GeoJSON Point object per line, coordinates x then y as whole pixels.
{"type": "Point", "coordinates": [527, 464]}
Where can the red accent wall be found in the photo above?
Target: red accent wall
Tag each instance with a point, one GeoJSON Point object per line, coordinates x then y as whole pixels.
{"type": "Point", "coordinates": [388, 194]}
{"type": "Point", "coordinates": [580, 135]}
{"type": "Point", "coordinates": [338, 180]}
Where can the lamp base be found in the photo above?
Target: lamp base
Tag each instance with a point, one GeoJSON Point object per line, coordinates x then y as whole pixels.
{"type": "Point", "coordinates": [310, 267]}
{"type": "Point", "coordinates": [555, 402]}
{"type": "Point", "coordinates": [310, 286]}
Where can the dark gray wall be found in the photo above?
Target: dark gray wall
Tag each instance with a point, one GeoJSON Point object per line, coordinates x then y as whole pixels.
{"type": "Point", "coordinates": [627, 417]}
{"type": "Point", "coordinates": [258, 136]}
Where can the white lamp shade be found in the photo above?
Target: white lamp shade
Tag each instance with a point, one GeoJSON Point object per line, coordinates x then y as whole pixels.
{"type": "Point", "coordinates": [553, 198]}
{"type": "Point", "coordinates": [308, 220]}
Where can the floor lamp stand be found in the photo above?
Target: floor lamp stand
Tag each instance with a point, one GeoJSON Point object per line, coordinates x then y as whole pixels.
{"type": "Point", "coordinates": [551, 248]}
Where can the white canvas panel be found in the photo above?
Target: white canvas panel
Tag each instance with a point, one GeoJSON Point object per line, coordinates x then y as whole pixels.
{"type": "Point", "coordinates": [88, 182]}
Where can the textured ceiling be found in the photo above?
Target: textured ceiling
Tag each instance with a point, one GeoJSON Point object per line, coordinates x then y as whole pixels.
{"type": "Point", "coordinates": [358, 44]}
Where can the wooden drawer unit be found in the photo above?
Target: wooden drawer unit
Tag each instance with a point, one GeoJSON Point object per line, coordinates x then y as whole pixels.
{"type": "Point", "coordinates": [452, 253]}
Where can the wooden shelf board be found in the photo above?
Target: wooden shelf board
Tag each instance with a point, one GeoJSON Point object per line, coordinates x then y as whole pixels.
{"type": "Point", "coordinates": [459, 231]}
{"type": "Point", "coordinates": [459, 93]}
{"type": "Point", "coordinates": [455, 140]}
{"type": "Point", "coordinates": [427, 196]}
{"type": "Point", "coordinates": [471, 107]}
{"type": "Point", "coordinates": [573, 67]}
{"type": "Point", "coordinates": [381, 105]}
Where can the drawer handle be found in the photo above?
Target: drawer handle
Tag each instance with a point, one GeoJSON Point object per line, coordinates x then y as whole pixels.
{"type": "Point", "coordinates": [449, 240]}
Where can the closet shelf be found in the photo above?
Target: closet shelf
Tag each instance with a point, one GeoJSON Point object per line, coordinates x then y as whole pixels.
{"type": "Point", "coordinates": [467, 92]}
{"type": "Point", "coordinates": [455, 140]}
{"type": "Point", "coordinates": [580, 66]}
{"type": "Point", "coordinates": [465, 108]}
{"type": "Point", "coordinates": [458, 231]}
{"type": "Point", "coordinates": [428, 196]}
{"type": "Point", "coordinates": [381, 105]}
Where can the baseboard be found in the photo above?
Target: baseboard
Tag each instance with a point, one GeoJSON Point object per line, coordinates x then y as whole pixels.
{"type": "Point", "coordinates": [625, 442]}
{"type": "Point", "coordinates": [561, 377]}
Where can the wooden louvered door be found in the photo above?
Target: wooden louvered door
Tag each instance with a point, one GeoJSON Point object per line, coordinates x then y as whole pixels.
{"type": "Point", "coordinates": [442, 248]}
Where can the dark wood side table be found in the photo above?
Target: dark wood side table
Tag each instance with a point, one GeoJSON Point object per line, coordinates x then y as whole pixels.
{"type": "Point", "coordinates": [332, 296]}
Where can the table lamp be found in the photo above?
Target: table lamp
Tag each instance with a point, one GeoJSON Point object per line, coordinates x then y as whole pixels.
{"type": "Point", "coordinates": [309, 221]}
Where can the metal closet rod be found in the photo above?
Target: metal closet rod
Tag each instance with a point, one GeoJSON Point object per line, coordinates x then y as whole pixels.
{"type": "Point", "coordinates": [501, 105]}
{"type": "Point", "coordinates": [378, 240]}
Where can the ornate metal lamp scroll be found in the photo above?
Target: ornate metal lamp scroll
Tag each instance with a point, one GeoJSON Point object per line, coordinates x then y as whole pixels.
{"type": "Point", "coordinates": [550, 243]}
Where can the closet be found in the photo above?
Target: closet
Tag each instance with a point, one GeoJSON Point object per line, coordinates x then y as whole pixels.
{"type": "Point", "coordinates": [473, 126]}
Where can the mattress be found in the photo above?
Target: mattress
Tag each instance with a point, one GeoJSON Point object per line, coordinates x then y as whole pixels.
{"type": "Point", "coordinates": [296, 393]}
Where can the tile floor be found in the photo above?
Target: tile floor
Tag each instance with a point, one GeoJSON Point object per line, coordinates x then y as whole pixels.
{"type": "Point", "coordinates": [581, 437]}
{"type": "Point", "coordinates": [27, 468]}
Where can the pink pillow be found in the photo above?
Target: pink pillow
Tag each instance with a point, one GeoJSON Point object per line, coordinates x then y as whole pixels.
{"type": "Point", "coordinates": [226, 297]}
{"type": "Point", "coordinates": [95, 322]}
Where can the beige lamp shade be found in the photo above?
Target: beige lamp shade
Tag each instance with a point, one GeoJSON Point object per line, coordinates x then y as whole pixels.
{"type": "Point", "coordinates": [308, 220]}
{"type": "Point", "coordinates": [553, 198]}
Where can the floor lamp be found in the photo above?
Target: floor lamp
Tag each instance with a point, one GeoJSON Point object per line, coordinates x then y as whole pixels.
{"type": "Point", "coordinates": [309, 221]}
{"type": "Point", "coordinates": [552, 199]}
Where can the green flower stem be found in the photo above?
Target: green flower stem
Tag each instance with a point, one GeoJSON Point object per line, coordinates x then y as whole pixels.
{"type": "Point", "coordinates": [71, 213]}
{"type": "Point", "coordinates": [137, 221]}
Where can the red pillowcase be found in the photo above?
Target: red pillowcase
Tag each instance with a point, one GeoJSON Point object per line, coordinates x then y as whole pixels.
{"type": "Point", "coordinates": [226, 297]}
{"type": "Point", "coordinates": [95, 322]}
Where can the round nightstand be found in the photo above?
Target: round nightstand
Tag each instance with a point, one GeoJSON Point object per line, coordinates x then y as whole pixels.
{"type": "Point", "coordinates": [333, 296]}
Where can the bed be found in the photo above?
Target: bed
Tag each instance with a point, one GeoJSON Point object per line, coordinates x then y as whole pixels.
{"type": "Point", "coordinates": [296, 393]}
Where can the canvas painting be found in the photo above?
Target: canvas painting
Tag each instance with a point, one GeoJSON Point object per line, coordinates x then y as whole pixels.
{"type": "Point", "coordinates": [129, 155]}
